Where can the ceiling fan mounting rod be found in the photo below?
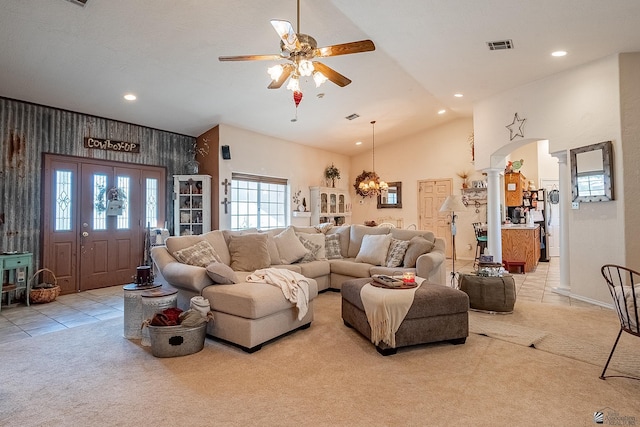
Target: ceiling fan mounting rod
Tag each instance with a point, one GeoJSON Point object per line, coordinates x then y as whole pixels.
{"type": "Point", "coordinates": [298, 30]}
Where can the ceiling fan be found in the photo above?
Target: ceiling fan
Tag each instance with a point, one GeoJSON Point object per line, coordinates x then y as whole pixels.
{"type": "Point", "coordinates": [301, 49]}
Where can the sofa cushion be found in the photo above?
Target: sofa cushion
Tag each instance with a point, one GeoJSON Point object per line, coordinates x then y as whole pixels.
{"type": "Point", "coordinates": [312, 250]}
{"type": "Point", "coordinates": [289, 246]}
{"type": "Point", "coordinates": [332, 246]}
{"type": "Point", "coordinates": [400, 234]}
{"type": "Point", "coordinates": [315, 269]}
{"type": "Point", "coordinates": [349, 267]}
{"type": "Point", "coordinates": [374, 248]}
{"type": "Point", "coordinates": [176, 243]}
{"type": "Point", "coordinates": [343, 231]}
{"type": "Point", "coordinates": [200, 254]}
{"type": "Point", "coordinates": [318, 240]}
{"type": "Point", "coordinates": [397, 249]}
{"type": "Point", "coordinates": [221, 273]}
{"type": "Point", "coordinates": [216, 239]}
{"type": "Point", "coordinates": [249, 252]}
{"type": "Point", "coordinates": [356, 235]}
{"type": "Point", "coordinates": [251, 300]}
{"type": "Point", "coordinates": [272, 247]}
{"type": "Point", "coordinates": [418, 245]}
{"type": "Point", "coordinates": [228, 233]}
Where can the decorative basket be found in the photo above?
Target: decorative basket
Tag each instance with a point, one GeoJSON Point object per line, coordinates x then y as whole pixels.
{"type": "Point", "coordinates": [43, 292]}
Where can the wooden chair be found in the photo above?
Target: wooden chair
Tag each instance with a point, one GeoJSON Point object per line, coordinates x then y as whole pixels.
{"type": "Point", "coordinates": [387, 224]}
{"type": "Point", "coordinates": [624, 286]}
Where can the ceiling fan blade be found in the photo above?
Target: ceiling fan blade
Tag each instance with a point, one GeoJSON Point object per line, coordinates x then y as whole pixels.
{"type": "Point", "coordinates": [287, 34]}
{"type": "Point", "coordinates": [345, 48]}
{"type": "Point", "coordinates": [251, 58]}
{"type": "Point", "coordinates": [331, 74]}
{"type": "Point", "coordinates": [287, 69]}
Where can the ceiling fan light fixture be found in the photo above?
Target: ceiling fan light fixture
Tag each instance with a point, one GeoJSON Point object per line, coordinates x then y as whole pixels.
{"type": "Point", "coordinates": [305, 68]}
{"type": "Point", "coordinates": [319, 78]}
{"type": "Point", "coordinates": [294, 84]}
{"type": "Point", "coordinates": [275, 72]}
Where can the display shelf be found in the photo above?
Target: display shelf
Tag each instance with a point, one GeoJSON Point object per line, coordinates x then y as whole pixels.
{"type": "Point", "coordinates": [192, 204]}
{"type": "Point", "coordinates": [329, 204]}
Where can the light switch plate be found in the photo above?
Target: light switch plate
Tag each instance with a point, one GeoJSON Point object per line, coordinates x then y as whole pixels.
{"type": "Point", "coordinates": [575, 205]}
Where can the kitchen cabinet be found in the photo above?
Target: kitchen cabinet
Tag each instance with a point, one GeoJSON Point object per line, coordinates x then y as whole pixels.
{"type": "Point", "coordinates": [515, 184]}
{"type": "Point", "coordinates": [521, 243]}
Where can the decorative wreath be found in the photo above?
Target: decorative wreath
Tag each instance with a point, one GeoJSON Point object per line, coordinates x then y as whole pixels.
{"type": "Point", "coordinates": [366, 177]}
{"type": "Point", "coordinates": [112, 194]}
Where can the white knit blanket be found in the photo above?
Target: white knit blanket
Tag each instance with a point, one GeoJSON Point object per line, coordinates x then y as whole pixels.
{"type": "Point", "coordinates": [294, 286]}
{"type": "Point", "coordinates": [386, 309]}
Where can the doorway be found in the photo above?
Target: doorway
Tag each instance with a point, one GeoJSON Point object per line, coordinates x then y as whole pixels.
{"type": "Point", "coordinates": [553, 217]}
{"type": "Point", "coordinates": [95, 216]}
{"type": "Point", "coordinates": [431, 195]}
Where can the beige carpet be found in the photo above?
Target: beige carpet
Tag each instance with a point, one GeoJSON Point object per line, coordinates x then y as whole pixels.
{"type": "Point", "coordinates": [597, 329]}
{"type": "Point", "coordinates": [325, 375]}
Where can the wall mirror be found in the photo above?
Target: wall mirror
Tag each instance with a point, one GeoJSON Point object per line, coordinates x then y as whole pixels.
{"type": "Point", "coordinates": [591, 173]}
{"type": "Point", "coordinates": [392, 197]}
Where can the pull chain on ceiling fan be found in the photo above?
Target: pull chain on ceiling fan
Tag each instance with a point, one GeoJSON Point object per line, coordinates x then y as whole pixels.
{"type": "Point", "coordinates": [300, 49]}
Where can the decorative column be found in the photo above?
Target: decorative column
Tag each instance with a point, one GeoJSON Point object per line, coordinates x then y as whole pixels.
{"type": "Point", "coordinates": [565, 200]}
{"type": "Point", "coordinates": [494, 220]}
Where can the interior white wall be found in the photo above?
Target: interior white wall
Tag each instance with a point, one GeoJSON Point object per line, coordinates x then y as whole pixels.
{"type": "Point", "coordinates": [629, 188]}
{"type": "Point", "coordinates": [438, 153]}
{"type": "Point", "coordinates": [571, 109]}
{"type": "Point", "coordinates": [259, 154]}
{"type": "Point", "coordinates": [547, 164]}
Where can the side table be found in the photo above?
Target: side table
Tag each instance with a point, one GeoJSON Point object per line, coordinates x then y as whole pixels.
{"type": "Point", "coordinates": [489, 293]}
{"type": "Point", "coordinates": [133, 309]}
{"type": "Point", "coordinates": [16, 267]}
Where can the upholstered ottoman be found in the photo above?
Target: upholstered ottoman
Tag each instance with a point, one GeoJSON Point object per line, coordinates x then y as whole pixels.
{"type": "Point", "coordinates": [492, 294]}
{"type": "Point", "coordinates": [438, 313]}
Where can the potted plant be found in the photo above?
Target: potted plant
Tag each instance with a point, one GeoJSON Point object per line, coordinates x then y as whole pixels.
{"type": "Point", "coordinates": [332, 173]}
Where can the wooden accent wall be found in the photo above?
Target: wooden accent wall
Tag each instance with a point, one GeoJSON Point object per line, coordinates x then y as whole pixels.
{"type": "Point", "coordinates": [210, 165]}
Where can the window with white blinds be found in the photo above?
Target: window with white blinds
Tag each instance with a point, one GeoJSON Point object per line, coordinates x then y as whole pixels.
{"type": "Point", "coordinates": [258, 202]}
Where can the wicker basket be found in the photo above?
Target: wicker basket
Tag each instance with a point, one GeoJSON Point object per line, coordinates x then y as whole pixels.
{"type": "Point", "coordinates": [44, 292]}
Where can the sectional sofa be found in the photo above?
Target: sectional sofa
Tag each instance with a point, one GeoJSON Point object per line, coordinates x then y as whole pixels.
{"type": "Point", "coordinates": [250, 314]}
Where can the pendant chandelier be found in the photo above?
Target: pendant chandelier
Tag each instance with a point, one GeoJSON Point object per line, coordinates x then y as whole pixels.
{"type": "Point", "coordinates": [369, 184]}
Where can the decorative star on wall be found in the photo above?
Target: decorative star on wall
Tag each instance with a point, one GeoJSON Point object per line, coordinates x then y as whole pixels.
{"type": "Point", "coordinates": [517, 123]}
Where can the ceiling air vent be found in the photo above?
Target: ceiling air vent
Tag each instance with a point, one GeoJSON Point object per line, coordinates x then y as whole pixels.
{"type": "Point", "coordinates": [352, 116]}
{"type": "Point", "coordinates": [79, 2]}
{"type": "Point", "coordinates": [500, 45]}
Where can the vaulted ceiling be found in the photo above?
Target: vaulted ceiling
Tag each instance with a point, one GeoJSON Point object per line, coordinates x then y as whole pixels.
{"type": "Point", "coordinates": [166, 52]}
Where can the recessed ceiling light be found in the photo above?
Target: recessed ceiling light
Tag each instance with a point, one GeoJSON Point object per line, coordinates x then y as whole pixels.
{"type": "Point", "coordinates": [559, 53]}
{"type": "Point", "coordinates": [359, 143]}
{"type": "Point", "coordinates": [130, 97]}
{"type": "Point", "coordinates": [458, 95]}
{"type": "Point", "coordinates": [442, 111]}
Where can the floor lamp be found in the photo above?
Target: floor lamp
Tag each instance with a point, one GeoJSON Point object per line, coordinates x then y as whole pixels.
{"type": "Point", "coordinates": [453, 204]}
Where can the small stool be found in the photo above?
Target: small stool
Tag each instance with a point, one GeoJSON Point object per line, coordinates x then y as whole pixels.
{"type": "Point", "coordinates": [509, 264]}
{"type": "Point", "coordinates": [489, 293]}
{"type": "Point", "coordinates": [438, 313]}
{"type": "Point", "coordinates": [155, 301]}
{"type": "Point", "coordinates": [133, 309]}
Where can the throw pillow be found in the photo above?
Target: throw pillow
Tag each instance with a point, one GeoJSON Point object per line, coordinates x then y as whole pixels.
{"type": "Point", "coordinates": [249, 252]}
{"type": "Point", "coordinates": [374, 248]}
{"type": "Point", "coordinates": [313, 249]}
{"type": "Point", "coordinates": [221, 273]}
{"type": "Point", "coordinates": [318, 239]}
{"type": "Point", "coordinates": [418, 245]}
{"type": "Point", "coordinates": [289, 246]}
{"type": "Point", "coordinates": [332, 246]}
{"type": "Point", "coordinates": [397, 249]}
{"type": "Point", "coordinates": [201, 254]}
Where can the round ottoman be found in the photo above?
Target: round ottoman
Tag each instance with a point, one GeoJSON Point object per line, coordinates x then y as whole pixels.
{"type": "Point", "coordinates": [491, 294]}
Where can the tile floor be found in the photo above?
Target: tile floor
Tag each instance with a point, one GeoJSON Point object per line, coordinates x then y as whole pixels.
{"type": "Point", "coordinates": [19, 321]}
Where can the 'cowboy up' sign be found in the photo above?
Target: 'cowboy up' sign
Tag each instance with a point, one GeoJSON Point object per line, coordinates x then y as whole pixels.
{"type": "Point", "coordinates": [110, 145]}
